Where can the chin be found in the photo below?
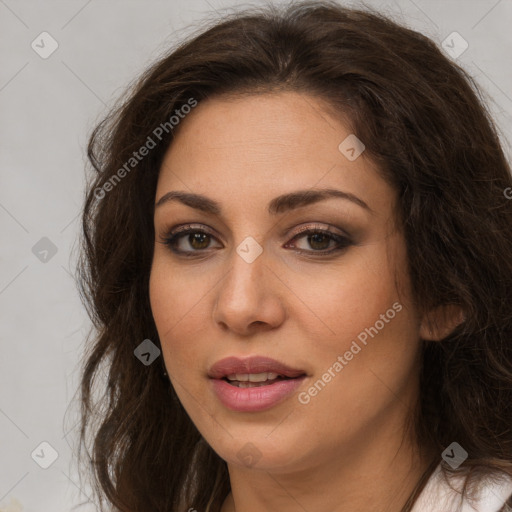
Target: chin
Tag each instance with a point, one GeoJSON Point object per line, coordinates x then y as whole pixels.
{"type": "Point", "coordinates": [261, 452]}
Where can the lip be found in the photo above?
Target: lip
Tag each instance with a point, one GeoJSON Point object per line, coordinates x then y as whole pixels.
{"type": "Point", "coordinates": [254, 364]}
{"type": "Point", "coordinates": [254, 399]}
{"type": "Point", "coordinates": [257, 398]}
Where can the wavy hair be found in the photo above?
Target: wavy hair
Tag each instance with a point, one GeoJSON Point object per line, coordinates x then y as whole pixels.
{"type": "Point", "coordinates": [425, 124]}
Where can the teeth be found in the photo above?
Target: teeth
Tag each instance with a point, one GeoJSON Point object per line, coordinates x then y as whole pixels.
{"type": "Point", "coordinates": [250, 384]}
{"type": "Point", "coordinates": [253, 377]}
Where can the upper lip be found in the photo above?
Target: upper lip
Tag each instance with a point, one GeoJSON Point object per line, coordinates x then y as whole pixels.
{"type": "Point", "coordinates": [254, 364]}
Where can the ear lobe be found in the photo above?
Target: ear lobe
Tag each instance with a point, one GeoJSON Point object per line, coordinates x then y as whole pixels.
{"type": "Point", "coordinates": [441, 321]}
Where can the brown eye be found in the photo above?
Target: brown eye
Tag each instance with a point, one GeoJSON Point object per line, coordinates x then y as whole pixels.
{"type": "Point", "coordinates": [199, 240]}
{"type": "Point", "coordinates": [318, 241]}
{"type": "Point", "coordinates": [188, 240]}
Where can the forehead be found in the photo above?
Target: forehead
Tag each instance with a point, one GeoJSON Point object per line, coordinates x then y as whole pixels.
{"type": "Point", "coordinates": [245, 148]}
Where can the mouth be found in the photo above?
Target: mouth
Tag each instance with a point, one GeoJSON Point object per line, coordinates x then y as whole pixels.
{"type": "Point", "coordinates": [252, 370]}
{"type": "Point", "coordinates": [233, 382]}
{"type": "Point", "coordinates": [255, 380]}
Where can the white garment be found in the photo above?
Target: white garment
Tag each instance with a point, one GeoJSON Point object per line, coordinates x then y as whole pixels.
{"type": "Point", "coordinates": [437, 496]}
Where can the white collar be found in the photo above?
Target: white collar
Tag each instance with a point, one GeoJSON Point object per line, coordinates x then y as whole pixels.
{"type": "Point", "coordinates": [438, 496]}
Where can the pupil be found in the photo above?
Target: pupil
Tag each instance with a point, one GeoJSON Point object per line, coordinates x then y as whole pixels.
{"type": "Point", "coordinates": [199, 238]}
{"type": "Point", "coordinates": [317, 238]}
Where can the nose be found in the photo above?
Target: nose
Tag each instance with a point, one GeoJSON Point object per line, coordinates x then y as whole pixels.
{"type": "Point", "coordinates": [249, 298]}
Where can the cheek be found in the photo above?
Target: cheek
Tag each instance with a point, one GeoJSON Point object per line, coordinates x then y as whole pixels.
{"type": "Point", "coordinates": [366, 320]}
{"type": "Point", "coordinates": [178, 299]}
{"type": "Point", "coordinates": [342, 300]}
{"type": "Point", "coordinates": [174, 291]}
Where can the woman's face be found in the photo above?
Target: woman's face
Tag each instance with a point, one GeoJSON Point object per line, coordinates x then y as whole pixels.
{"type": "Point", "coordinates": [333, 306]}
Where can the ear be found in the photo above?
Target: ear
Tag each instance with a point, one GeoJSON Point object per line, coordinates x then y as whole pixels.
{"type": "Point", "coordinates": [441, 321]}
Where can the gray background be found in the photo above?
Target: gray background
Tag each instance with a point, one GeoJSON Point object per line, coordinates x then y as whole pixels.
{"type": "Point", "coordinates": [48, 108]}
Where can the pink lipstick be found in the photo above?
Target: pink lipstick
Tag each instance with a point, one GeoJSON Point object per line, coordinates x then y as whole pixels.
{"type": "Point", "coordinates": [253, 384]}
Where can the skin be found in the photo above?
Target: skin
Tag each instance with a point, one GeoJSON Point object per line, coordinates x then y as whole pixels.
{"type": "Point", "coordinates": [347, 448]}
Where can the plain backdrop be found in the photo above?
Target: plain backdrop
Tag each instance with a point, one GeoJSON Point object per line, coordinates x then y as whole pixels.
{"type": "Point", "coordinates": [48, 107]}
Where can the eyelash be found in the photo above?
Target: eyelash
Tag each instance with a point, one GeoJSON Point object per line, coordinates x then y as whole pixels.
{"type": "Point", "coordinates": [171, 238]}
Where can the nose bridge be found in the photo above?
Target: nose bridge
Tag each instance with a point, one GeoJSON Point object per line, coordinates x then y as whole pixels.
{"type": "Point", "coordinates": [247, 294]}
{"type": "Point", "coordinates": [247, 267]}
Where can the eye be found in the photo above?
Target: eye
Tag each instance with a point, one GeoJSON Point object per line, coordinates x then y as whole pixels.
{"type": "Point", "coordinates": [187, 239]}
{"type": "Point", "coordinates": [322, 241]}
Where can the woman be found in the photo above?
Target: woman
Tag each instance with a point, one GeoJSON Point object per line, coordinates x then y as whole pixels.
{"type": "Point", "coordinates": [296, 253]}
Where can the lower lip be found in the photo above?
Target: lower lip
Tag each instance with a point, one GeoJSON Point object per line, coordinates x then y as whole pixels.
{"type": "Point", "coordinates": [257, 398]}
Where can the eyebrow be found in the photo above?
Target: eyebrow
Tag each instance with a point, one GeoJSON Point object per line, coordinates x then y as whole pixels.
{"type": "Point", "coordinates": [278, 205]}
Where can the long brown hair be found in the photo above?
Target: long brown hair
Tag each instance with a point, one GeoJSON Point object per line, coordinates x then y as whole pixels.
{"type": "Point", "coordinates": [422, 121]}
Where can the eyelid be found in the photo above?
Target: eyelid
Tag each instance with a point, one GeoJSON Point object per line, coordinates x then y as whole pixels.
{"type": "Point", "coordinates": [186, 227]}
{"type": "Point", "coordinates": [317, 226]}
